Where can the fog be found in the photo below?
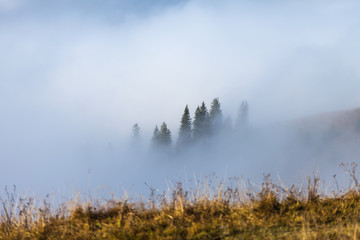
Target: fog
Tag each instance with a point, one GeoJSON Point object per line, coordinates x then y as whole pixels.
{"type": "Point", "coordinates": [76, 75]}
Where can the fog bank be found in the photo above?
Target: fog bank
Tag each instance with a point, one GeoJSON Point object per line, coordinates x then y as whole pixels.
{"type": "Point", "coordinates": [76, 75]}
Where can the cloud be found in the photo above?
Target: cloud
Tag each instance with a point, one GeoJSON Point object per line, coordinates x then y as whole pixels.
{"type": "Point", "coordinates": [198, 52]}
{"type": "Point", "coordinates": [85, 72]}
{"type": "Point", "coordinates": [271, 54]}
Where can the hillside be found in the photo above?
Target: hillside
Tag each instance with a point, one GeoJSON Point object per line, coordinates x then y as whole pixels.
{"type": "Point", "coordinates": [300, 147]}
{"type": "Point", "coordinates": [330, 124]}
{"type": "Point", "coordinates": [334, 136]}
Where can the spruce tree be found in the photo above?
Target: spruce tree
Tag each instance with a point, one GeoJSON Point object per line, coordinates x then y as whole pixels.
{"type": "Point", "coordinates": [215, 116]}
{"type": "Point", "coordinates": [164, 135]}
{"type": "Point", "coordinates": [185, 129]}
{"type": "Point", "coordinates": [197, 124]}
{"type": "Point", "coordinates": [205, 120]}
{"type": "Point", "coordinates": [201, 122]}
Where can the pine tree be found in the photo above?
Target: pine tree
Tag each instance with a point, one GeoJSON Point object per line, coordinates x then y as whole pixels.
{"type": "Point", "coordinates": [197, 124]}
{"type": "Point", "coordinates": [201, 122]}
{"type": "Point", "coordinates": [185, 129]}
{"type": "Point", "coordinates": [205, 120]}
{"type": "Point", "coordinates": [164, 135]}
{"type": "Point", "coordinates": [242, 118]}
{"type": "Point", "coordinates": [155, 137]}
{"type": "Point", "coordinates": [215, 116]}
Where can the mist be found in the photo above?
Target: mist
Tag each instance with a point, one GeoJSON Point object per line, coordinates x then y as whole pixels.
{"type": "Point", "coordinates": [75, 77]}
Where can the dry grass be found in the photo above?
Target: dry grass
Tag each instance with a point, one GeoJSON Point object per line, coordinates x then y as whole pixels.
{"type": "Point", "coordinates": [233, 211]}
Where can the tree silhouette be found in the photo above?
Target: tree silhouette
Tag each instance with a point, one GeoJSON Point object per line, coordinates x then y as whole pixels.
{"type": "Point", "coordinates": [155, 137]}
{"type": "Point", "coordinates": [185, 129]}
{"type": "Point", "coordinates": [215, 116]}
{"type": "Point", "coordinates": [201, 122]}
{"type": "Point", "coordinates": [164, 135]}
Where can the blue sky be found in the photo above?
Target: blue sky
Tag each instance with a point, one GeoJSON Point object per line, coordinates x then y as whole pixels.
{"type": "Point", "coordinates": [106, 10]}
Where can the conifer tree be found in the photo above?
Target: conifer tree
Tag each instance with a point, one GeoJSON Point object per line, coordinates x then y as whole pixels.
{"type": "Point", "coordinates": [201, 122]}
{"type": "Point", "coordinates": [197, 124]}
{"type": "Point", "coordinates": [164, 135]}
{"type": "Point", "coordinates": [185, 129]}
{"type": "Point", "coordinates": [155, 137]}
{"type": "Point", "coordinates": [215, 116]}
{"type": "Point", "coordinates": [205, 119]}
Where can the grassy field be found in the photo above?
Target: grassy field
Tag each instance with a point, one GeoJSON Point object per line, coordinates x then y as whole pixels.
{"type": "Point", "coordinates": [216, 211]}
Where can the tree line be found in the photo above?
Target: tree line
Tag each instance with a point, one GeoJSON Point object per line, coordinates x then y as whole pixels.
{"type": "Point", "coordinates": [206, 124]}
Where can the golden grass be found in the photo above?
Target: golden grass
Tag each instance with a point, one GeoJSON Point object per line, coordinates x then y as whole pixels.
{"type": "Point", "coordinates": [223, 212]}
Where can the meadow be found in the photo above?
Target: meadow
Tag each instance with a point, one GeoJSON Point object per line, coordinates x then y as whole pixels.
{"type": "Point", "coordinates": [208, 209]}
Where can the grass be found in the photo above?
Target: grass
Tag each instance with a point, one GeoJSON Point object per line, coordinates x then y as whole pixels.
{"type": "Point", "coordinates": [233, 211]}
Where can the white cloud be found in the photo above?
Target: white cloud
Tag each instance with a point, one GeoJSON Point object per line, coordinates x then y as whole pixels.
{"type": "Point", "coordinates": [119, 73]}
{"type": "Point", "coordinates": [91, 79]}
{"type": "Point", "coordinates": [151, 68]}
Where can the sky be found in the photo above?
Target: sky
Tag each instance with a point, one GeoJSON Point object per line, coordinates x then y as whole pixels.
{"type": "Point", "coordinates": [79, 74]}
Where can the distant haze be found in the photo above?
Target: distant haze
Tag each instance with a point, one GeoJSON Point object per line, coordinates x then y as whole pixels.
{"type": "Point", "coordinates": [76, 75]}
